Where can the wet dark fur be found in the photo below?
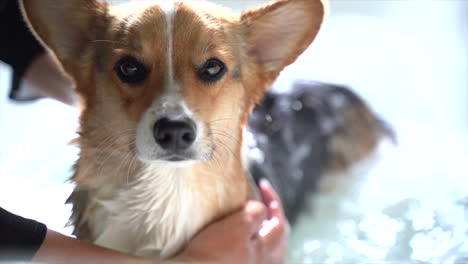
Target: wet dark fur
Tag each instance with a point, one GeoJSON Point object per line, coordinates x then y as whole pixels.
{"type": "Point", "coordinates": [304, 134]}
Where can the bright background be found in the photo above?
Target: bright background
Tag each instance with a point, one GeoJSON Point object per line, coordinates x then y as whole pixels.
{"type": "Point", "coordinates": [407, 58]}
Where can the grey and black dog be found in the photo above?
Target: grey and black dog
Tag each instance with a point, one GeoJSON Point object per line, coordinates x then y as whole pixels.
{"type": "Point", "coordinates": [308, 132]}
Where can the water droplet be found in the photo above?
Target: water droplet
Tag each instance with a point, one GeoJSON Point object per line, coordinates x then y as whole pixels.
{"type": "Point", "coordinates": [296, 106]}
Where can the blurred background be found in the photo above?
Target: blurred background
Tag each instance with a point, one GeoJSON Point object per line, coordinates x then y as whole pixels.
{"type": "Point", "coordinates": [408, 59]}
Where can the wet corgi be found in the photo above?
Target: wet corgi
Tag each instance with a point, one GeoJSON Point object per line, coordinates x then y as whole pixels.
{"type": "Point", "coordinates": [167, 88]}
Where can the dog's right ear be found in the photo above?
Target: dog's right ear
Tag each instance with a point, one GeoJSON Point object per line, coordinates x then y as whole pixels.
{"type": "Point", "coordinates": [65, 26]}
{"type": "Point", "coordinates": [278, 32]}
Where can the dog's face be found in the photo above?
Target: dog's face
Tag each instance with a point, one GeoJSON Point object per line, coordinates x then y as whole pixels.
{"type": "Point", "coordinates": [179, 81]}
{"type": "Point", "coordinates": [171, 81]}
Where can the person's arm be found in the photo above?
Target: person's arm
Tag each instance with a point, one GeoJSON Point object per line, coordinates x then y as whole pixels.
{"type": "Point", "coordinates": [235, 239]}
{"type": "Point", "coordinates": [58, 248]}
{"type": "Point", "coordinates": [20, 238]}
{"type": "Point", "coordinates": [46, 77]}
{"type": "Point", "coordinates": [31, 63]}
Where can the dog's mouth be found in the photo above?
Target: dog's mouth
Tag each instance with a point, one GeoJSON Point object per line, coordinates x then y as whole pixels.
{"type": "Point", "coordinates": [170, 158]}
{"type": "Point", "coordinates": [177, 157]}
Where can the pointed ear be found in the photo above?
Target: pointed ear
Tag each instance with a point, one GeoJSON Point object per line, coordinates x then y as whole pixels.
{"type": "Point", "coordinates": [279, 32]}
{"type": "Point", "coordinates": [65, 26]}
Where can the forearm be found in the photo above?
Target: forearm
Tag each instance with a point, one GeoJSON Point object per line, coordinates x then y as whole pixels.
{"type": "Point", "coordinates": [46, 76]}
{"type": "Point", "coordinates": [58, 248]}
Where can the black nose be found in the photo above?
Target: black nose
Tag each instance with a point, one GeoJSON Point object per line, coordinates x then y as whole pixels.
{"type": "Point", "coordinates": [174, 134]}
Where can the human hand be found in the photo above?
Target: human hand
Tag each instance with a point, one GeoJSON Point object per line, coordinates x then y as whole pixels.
{"type": "Point", "coordinates": [276, 230]}
{"type": "Point", "coordinates": [254, 235]}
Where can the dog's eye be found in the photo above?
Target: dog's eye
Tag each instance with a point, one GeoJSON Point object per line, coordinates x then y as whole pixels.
{"type": "Point", "coordinates": [212, 71]}
{"type": "Point", "coordinates": [130, 70]}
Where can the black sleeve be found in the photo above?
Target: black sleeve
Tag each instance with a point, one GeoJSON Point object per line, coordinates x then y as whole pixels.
{"type": "Point", "coordinates": [20, 238]}
{"type": "Point", "coordinates": [18, 46]}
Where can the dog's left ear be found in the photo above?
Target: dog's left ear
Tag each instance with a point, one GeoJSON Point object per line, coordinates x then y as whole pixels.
{"type": "Point", "coordinates": [65, 26]}
{"type": "Point", "coordinates": [277, 33]}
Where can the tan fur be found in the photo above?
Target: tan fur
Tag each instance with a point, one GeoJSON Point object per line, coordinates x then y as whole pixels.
{"type": "Point", "coordinates": [356, 138]}
{"type": "Point", "coordinates": [89, 37]}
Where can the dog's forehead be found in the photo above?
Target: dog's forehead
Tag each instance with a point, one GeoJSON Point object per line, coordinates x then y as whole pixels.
{"type": "Point", "coordinates": [140, 20]}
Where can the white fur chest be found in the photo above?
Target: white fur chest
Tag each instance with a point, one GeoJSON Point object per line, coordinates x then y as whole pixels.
{"type": "Point", "coordinates": [152, 217]}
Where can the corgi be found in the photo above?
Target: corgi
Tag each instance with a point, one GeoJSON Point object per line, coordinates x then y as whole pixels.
{"type": "Point", "coordinates": [166, 89]}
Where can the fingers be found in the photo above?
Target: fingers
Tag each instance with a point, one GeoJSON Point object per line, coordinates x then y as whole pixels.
{"type": "Point", "coordinates": [247, 221]}
{"type": "Point", "coordinates": [254, 214]}
{"type": "Point", "coordinates": [274, 231]}
{"type": "Point", "coordinates": [271, 200]}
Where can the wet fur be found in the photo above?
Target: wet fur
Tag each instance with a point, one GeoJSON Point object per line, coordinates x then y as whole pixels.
{"type": "Point", "coordinates": [312, 131]}
{"type": "Point", "coordinates": [151, 208]}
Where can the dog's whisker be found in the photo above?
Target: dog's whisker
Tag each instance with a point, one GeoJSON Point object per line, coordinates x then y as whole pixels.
{"type": "Point", "coordinates": [133, 162]}
{"type": "Point", "coordinates": [207, 156]}
{"type": "Point", "coordinates": [128, 161]}
{"type": "Point", "coordinates": [116, 134]}
{"type": "Point", "coordinates": [217, 161]}
{"type": "Point", "coordinates": [221, 132]}
{"type": "Point", "coordinates": [102, 156]}
{"type": "Point", "coordinates": [109, 156]}
{"type": "Point", "coordinates": [227, 147]}
{"type": "Point", "coordinates": [110, 140]}
{"type": "Point", "coordinates": [133, 159]}
{"type": "Point", "coordinates": [222, 119]}
{"type": "Point", "coordinates": [124, 160]}
{"type": "Point", "coordinates": [116, 151]}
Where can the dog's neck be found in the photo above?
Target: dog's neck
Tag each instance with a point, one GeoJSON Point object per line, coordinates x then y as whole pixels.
{"type": "Point", "coordinates": [138, 204]}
